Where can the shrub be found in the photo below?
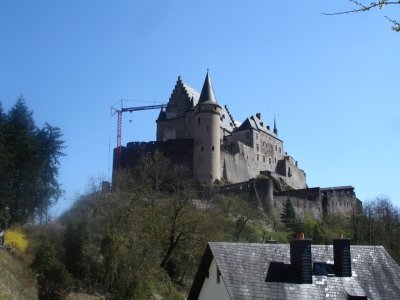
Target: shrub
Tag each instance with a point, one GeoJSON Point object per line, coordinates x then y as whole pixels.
{"type": "Point", "coordinates": [16, 239]}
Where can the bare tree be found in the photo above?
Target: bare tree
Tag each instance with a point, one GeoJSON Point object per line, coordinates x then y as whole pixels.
{"type": "Point", "coordinates": [363, 6]}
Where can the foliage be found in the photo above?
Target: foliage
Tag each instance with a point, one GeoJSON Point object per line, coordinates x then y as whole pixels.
{"type": "Point", "coordinates": [29, 162]}
{"type": "Point", "coordinates": [76, 245]}
{"type": "Point", "coordinates": [16, 239]}
{"type": "Point", "coordinates": [146, 238]}
{"type": "Point", "coordinates": [379, 225]}
{"type": "Point", "coordinates": [53, 279]}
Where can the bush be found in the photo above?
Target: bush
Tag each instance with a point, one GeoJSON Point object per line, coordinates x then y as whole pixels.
{"type": "Point", "coordinates": [16, 239]}
{"type": "Point", "coordinates": [52, 277]}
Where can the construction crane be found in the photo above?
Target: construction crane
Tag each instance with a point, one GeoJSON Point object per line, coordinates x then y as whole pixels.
{"type": "Point", "coordinates": [119, 112]}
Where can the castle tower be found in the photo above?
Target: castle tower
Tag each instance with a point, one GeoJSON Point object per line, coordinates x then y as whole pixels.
{"type": "Point", "coordinates": [206, 134]}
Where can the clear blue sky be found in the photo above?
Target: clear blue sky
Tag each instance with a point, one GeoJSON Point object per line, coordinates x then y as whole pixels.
{"type": "Point", "coordinates": [333, 82]}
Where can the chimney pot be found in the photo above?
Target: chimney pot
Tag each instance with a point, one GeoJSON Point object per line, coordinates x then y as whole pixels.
{"type": "Point", "coordinates": [300, 235]}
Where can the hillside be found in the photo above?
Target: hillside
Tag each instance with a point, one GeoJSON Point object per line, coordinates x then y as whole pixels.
{"type": "Point", "coordinates": [16, 280]}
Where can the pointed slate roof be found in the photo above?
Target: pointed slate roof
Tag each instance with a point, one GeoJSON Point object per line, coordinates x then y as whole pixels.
{"type": "Point", "coordinates": [275, 129]}
{"type": "Point", "coordinates": [207, 92]}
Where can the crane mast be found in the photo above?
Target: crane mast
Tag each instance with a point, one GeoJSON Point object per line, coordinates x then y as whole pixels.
{"type": "Point", "coordinates": [119, 124]}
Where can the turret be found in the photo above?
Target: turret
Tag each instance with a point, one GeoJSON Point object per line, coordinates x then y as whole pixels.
{"type": "Point", "coordinates": [206, 134]}
{"type": "Point", "coordinates": [275, 129]}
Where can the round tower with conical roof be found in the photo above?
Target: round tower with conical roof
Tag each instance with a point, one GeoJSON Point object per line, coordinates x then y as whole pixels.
{"type": "Point", "coordinates": [206, 134]}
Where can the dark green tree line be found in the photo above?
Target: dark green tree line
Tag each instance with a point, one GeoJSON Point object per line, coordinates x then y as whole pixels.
{"type": "Point", "coordinates": [29, 164]}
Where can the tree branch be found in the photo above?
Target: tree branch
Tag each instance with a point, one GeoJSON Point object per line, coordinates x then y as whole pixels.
{"type": "Point", "coordinates": [363, 8]}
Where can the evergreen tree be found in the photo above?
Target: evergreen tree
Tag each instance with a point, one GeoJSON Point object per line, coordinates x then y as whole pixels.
{"type": "Point", "coordinates": [288, 215]}
{"type": "Point", "coordinates": [29, 162]}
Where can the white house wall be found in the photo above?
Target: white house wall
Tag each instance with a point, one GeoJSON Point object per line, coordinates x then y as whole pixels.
{"type": "Point", "coordinates": [211, 290]}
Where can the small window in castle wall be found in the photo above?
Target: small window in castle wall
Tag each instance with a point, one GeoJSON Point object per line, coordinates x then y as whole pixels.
{"type": "Point", "coordinates": [269, 160]}
{"type": "Point", "coordinates": [275, 159]}
{"type": "Point", "coordinates": [256, 136]}
{"type": "Point", "coordinates": [258, 147]}
{"type": "Point", "coordinates": [212, 148]}
{"type": "Point", "coordinates": [263, 158]}
{"type": "Point", "coordinates": [276, 148]}
{"type": "Point", "coordinates": [258, 157]}
{"type": "Point", "coordinates": [280, 150]}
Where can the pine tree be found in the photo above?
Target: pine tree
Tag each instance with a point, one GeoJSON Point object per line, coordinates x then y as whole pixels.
{"type": "Point", "coordinates": [29, 163]}
{"type": "Point", "coordinates": [288, 215]}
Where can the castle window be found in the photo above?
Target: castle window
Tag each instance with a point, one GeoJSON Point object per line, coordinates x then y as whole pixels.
{"type": "Point", "coordinates": [247, 135]}
{"type": "Point", "coordinates": [269, 160]}
{"type": "Point", "coordinates": [258, 147]}
{"type": "Point", "coordinates": [280, 150]}
{"type": "Point", "coordinates": [275, 159]}
{"type": "Point", "coordinates": [276, 147]}
{"type": "Point", "coordinates": [263, 158]}
{"type": "Point", "coordinates": [256, 136]}
{"type": "Point", "coordinates": [258, 157]}
{"type": "Point", "coordinates": [215, 108]}
{"type": "Point", "coordinates": [212, 148]}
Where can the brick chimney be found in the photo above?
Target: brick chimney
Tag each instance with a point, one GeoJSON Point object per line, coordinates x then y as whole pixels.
{"type": "Point", "coordinates": [300, 259]}
{"type": "Point", "coordinates": [341, 257]}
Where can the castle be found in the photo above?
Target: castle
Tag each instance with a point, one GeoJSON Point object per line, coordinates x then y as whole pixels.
{"type": "Point", "coordinates": [195, 130]}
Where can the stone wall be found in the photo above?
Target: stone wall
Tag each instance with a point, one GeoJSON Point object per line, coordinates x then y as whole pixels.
{"type": "Point", "coordinates": [178, 151]}
{"type": "Point", "coordinates": [317, 203]}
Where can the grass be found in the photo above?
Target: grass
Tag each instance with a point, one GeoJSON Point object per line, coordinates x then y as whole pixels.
{"type": "Point", "coordinates": [16, 279]}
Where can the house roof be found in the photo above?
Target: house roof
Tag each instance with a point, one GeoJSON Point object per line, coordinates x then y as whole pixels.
{"type": "Point", "coordinates": [244, 269]}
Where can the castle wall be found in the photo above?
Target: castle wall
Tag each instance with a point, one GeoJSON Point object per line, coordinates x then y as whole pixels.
{"type": "Point", "coordinates": [290, 172]}
{"type": "Point", "coordinates": [338, 200]}
{"type": "Point", "coordinates": [302, 206]}
{"type": "Point", "coordinates": [234, 167]}
{"type": "Point", "coordinates": [179, 151]}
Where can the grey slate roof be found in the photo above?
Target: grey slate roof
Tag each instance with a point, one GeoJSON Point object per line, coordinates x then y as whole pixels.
{"type": "Point", "coordinates": [244, 269]}
{"type": "Point", "coordinates": [256, 123]}
{"type": "Point", "coordinates": [207, 92]}
{"type": "Point", "coordinates": [192, 93]}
